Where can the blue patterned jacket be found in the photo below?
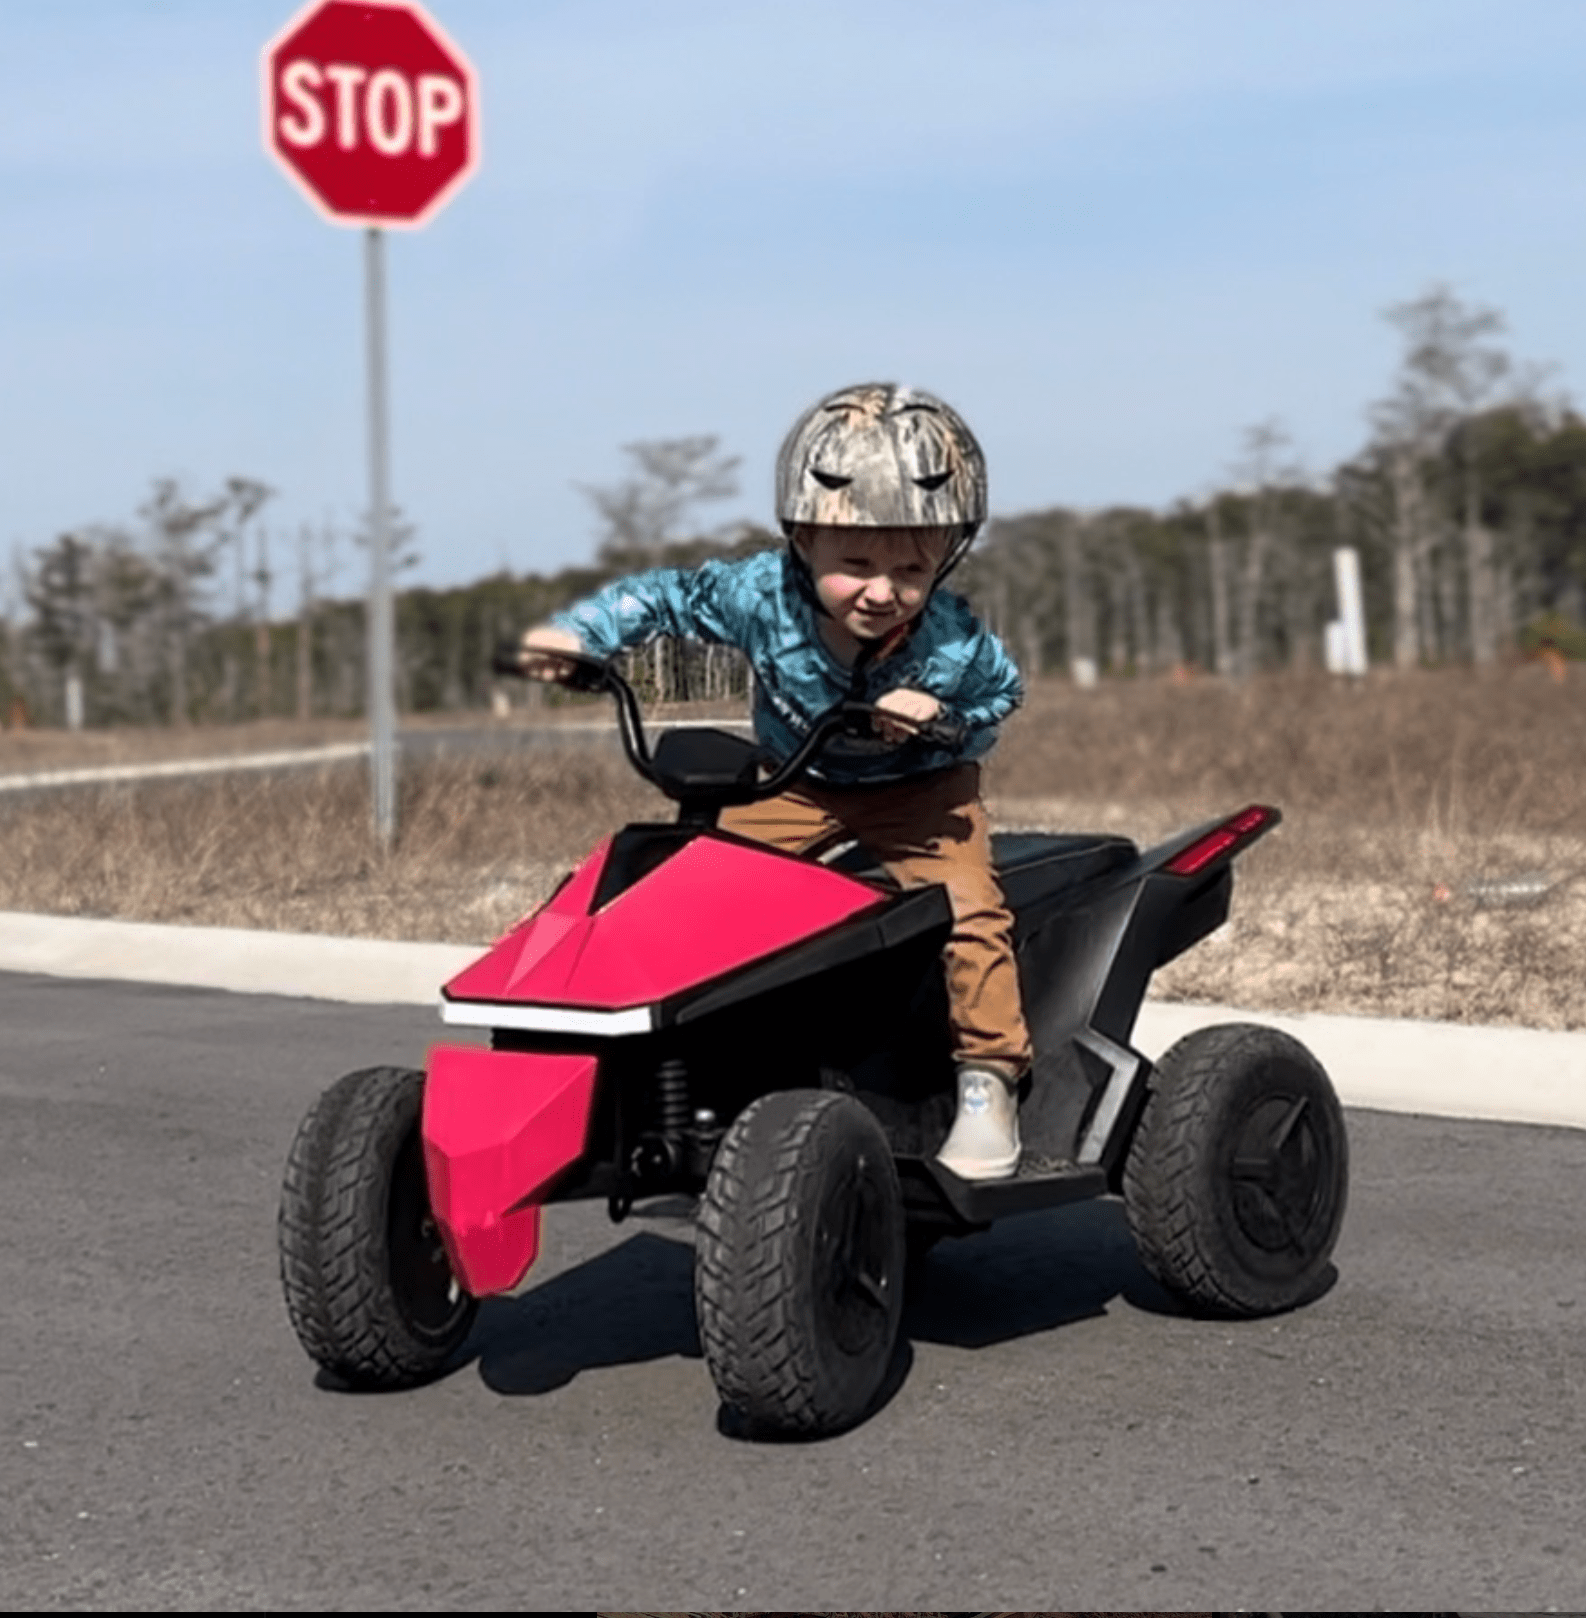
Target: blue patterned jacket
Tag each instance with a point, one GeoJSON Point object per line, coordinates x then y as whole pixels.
{"type": "Point", "coordinates": [756, 604]}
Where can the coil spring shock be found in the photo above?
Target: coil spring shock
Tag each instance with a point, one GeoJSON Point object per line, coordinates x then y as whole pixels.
{"type": "Point", "coordinates": [672, 1113]}
{"type": "Point", "coordinates": [659, 1153]}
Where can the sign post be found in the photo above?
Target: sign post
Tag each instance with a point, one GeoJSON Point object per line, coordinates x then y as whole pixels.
{"type": "Point", "coordinates": [380, 618]}
{"type": "Point", "coordinates": [374, 114]}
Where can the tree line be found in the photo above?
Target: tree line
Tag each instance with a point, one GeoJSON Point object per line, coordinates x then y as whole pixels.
{"type": "Point", "coordinates": [1466, 503]}
{"type": "Point", "coordinates": [172, 617]}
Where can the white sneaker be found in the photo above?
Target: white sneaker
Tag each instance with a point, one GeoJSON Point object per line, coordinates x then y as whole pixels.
{"type": "Point", "coordinates": [984, 1142]}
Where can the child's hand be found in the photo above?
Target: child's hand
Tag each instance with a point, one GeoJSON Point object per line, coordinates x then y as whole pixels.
{"type": "Point", "coordinates": [547, 638]}
{"type": "Point", "coordinates": [907, 703]}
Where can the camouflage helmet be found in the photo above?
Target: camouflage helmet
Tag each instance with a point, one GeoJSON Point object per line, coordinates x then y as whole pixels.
{"type": "Point", "coordinates": [883, 456]}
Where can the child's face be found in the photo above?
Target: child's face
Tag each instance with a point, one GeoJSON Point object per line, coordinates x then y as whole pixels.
{"type": "Point", "coordinates": [872, 579]}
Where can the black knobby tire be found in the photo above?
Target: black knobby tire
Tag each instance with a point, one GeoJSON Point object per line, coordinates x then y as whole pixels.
{"type": "Point", "coordinates": [1237, 1177]}
{"type": "Point", "coordinates": [368, 1286]}
{"type": "Point", "coordinates": [799, 1263]}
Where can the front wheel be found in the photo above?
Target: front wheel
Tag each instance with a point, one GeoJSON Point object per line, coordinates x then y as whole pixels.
{"type": "Point", "coordinates": [368, 1287]}
{"type": "Point", "coordinates": [799, 1261]}
{"type": "Point", "coordinates": [1238, 1174]}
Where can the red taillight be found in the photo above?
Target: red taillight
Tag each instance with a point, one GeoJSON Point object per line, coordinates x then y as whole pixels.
{"type": "Point", "coordinates": [1242, 828]}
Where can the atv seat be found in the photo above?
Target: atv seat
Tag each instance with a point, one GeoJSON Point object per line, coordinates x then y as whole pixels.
{"type": "Point", "coordinates": [1030, 864]}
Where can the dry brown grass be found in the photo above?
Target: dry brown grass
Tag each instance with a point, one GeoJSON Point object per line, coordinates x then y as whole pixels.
{"type": "Point", "coordinates": [481, 843]}
{"type": "Point", "coordinates": [1400, 797]}
{"type": "Point", "coordinates": [1397, 796]}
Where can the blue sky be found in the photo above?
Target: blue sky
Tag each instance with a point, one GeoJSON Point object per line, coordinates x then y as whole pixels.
{"type": "Point", "coordinates": [1114, 235]}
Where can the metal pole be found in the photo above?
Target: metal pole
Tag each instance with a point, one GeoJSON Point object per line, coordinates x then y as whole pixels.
{"type": "Point", "coordinates": [382, 705]}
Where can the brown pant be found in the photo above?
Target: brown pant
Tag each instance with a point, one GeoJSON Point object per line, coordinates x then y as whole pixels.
{"type": "Point", "coordinates": [932, 829]}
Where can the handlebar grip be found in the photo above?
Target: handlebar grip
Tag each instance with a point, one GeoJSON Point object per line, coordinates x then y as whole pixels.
{"type": "Point", "coordinates": [505, 660]}
{"type": "Point", "coordinates": [859, 720]}
{"type": "Point", "coordinates": [943, 733]}
{"type": "Point", "coordinates": [582, 672]}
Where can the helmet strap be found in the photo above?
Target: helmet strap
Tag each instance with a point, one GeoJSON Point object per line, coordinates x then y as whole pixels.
{"type": "Point", "coordinates": [876, 651]}
{"type": "Point", "coordinates": [959, 550]}
{"type": "Point", "coordinates": [804, 579]}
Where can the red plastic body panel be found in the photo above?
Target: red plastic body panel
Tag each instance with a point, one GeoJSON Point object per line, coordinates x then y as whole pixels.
{"type": "Point", "coordinates": [714, 906]}
{"type": "Point", "coordinates": [498, 1127]}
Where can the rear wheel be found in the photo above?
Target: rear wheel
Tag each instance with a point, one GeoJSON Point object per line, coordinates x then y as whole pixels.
{"type": "Point", "coordinates": [368, 1286]}
{"type": "Point", "coordinates": [798, 1276]}
{"type": "Point", "coordinates": [1237, 1177]}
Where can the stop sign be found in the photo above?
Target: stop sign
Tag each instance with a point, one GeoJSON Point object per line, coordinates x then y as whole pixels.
{"type": "Point", "coordinates": [371, 109]}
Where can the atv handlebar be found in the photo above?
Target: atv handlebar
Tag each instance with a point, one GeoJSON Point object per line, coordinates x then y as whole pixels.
{"type": "Point", "coordinates": [590, 674]}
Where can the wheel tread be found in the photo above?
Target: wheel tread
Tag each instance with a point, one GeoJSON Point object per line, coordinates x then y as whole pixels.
{"type": "Point", "coordinates": [331, 1237]}
{"type": "Point", "coordinates": [754, 1336]}
{"type": "Point", "coordinates": [1168, 1208]}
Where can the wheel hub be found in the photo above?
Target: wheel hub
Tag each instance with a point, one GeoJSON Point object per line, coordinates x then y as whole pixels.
{"type": "Point", "coordinates": [421, 1273]}
{"type": "Point", "coordinates": [851, 1260]}
{"type": "Point", "coordinates": [1279, 1171]}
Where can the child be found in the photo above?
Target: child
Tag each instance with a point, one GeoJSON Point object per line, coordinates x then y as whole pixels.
{"type": "Point", "coordinates": [880, 490]}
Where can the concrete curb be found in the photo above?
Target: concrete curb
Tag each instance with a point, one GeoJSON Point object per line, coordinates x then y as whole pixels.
{"type": "Point", "coordinates": [1449, 1070]}
{"type": "Point", "coordinates": [1507, 1075]}
{"type": "Point", "coordinates": [309, 966]}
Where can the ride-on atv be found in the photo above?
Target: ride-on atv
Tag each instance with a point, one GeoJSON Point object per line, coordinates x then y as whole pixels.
{"type": "Point", "coordinates": [692, 1012]}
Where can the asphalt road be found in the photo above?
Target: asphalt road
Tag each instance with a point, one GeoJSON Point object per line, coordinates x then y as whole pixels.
{"type": "Point", "coordinates": [1058, 1438]}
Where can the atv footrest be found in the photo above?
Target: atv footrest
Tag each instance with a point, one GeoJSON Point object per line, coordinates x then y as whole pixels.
{"type": "Point", "coordinates": [1038, 1183]}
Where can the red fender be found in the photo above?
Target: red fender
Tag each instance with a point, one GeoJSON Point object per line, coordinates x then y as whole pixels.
{"type": "Point", "coordinates": [498, 1127]}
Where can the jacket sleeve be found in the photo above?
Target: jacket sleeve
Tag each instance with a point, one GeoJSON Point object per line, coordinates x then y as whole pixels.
{"type": "Point", "coordinates": [989, 689]}
{"type": "Point", "coordinates": [688, 603]}
{"type": "Point", "coordinates": [968, 670]}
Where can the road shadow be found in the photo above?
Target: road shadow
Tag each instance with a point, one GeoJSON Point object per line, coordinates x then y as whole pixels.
{"type": "Point", "coordinates": [1029, 1274]}
{"type": "Point", "coordinates": [632, 1303]}
{"type": "Point", "coordinates": [635, 1301]}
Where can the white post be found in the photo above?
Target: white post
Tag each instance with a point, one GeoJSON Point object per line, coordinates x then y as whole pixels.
{"type": "Point", "coordinates": [1351, 636]}
{"type": "Point", "coordinates": [74, 700]}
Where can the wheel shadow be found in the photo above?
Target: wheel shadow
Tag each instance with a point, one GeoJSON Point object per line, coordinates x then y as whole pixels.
{"type": "Point", "coordinates": [625, 1306]}
{"type": "Point", "coordinates": [1028, 1274]}
{"type": "Point", "coordinates": [635, 1302]}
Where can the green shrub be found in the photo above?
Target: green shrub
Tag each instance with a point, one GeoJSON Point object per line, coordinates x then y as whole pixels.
{"type": "Point", "coordinates": [1554, 629]}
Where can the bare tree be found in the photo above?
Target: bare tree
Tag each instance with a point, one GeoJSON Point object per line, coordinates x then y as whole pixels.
{"type": "Point", "coordinates": [1219, 570]}
{"type": "Point", "coordinates": [1079, 603]}
{"type": "Point", "coordinates": [246, 498]}
{"type": "Point", "coordinates": [59, 590]}
{"type": "Point", "coordinates": [1127, 633]}
{"type": "Point", "coordinates": [1262, 469]}
{"type": "Point", "coordinates": [185, 536]}
{"type": "Point", "coordinates": [1450, 371]}
{"type": "Point", "coordinates": [1016, 572]}
{"type": "Point", "coordinates": [1410, 552]}
{"type": "Point", "coordinates": [646, 512]}
{"type": "Point", "coordinates": [310, 579]}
